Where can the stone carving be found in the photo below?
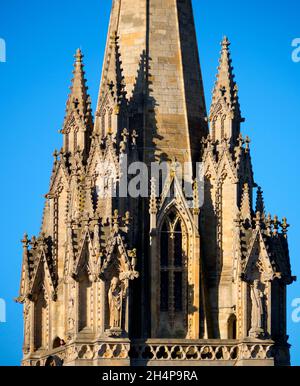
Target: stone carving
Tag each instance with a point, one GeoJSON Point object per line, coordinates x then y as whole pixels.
{"type": "Point", "coordinates": [221, 258]}
{"type": "Point", "coordinates": [257, 311]}
{"type": "Point", "coordinates": [70, 314]}
{"type": "Point", "coordinates": [26, 346]}
{"type": "Point", "coordinates": [115, 300]}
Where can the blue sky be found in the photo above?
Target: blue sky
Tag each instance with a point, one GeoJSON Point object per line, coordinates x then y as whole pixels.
{"type": "Point", "coordinates": [41, 38]}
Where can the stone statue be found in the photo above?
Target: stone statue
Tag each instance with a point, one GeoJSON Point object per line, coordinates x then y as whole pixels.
{"type": "Point", "coordinates": [115, 304]}
{"type": "Point", "coordinates": [71, 305]}
{"type": "Point", "coordinates": [257, 312]}
{"type": "Point", "coordinates": [26, 346]}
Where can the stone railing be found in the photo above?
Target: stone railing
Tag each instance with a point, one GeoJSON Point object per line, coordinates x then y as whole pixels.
{"type": "Point", "coordinates": [199, 351]}
{"type": "Point", "coordinates": [159, 352]}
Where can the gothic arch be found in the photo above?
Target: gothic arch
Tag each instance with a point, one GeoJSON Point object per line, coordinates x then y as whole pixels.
{"type": "Point", "coordinates": [173, 246]}
{"type": "Point", "coordinates": [174, 259]}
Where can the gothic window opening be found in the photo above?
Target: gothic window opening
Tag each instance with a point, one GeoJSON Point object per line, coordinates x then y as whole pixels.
{"type": "Point", "coordinates": [172, 265]}
{"type": "Point", "coordinates": [85, 287]}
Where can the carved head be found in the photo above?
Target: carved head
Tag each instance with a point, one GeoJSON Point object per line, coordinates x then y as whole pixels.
{"type": "Point", "coordinates": [114, 283]}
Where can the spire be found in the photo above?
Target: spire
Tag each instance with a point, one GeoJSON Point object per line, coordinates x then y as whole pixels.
{"type": "Point", "coordinates": [154, 61]}
{"type": "Point", "coordinates": [225, 113]}
{"type": "Point", "coordinates": [260, 205]}
{"type": "Point", "coordinates": [78, 123]}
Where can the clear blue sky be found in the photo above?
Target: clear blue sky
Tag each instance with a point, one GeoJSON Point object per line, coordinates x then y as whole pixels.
{"type": "Point", "coordinates": [41, 38]}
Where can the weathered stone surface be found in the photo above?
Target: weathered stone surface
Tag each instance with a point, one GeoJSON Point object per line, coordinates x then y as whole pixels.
{"type": "Point", "coordinates": [161, 280]}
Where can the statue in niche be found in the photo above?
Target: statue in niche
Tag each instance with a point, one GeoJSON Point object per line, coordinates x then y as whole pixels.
{"type": "Point", "coordinates": [115, 298]}
{"type": "Point", "coordinates": [258, 311]}
{"type": "Point", "coordinates": [26, 347]}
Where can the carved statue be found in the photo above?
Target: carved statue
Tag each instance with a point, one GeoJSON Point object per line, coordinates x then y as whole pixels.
{"type": "Point", "coordinates": [115, 304]}
{"type": "Point", "coordinates": [257, 312]}
{"type": "Point", "coordinates": [26, 347]}
{"type": "Point", "coordinates": [71, 305]}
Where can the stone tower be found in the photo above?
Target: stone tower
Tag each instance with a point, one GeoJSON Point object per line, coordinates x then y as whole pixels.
{"type": "Point", "coordinates": [177, 267]}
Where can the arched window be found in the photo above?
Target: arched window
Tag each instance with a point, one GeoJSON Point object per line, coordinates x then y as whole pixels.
{"type": "Point", "coordinates": [232, 327]}
{"type": "Point", "coordinates": [171, 265]}
{"type": "Point", "coordinates": [84, 302]}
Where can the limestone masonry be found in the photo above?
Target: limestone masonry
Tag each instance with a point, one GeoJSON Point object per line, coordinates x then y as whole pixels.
{"type": "Point", "coordinates": [116, 280]}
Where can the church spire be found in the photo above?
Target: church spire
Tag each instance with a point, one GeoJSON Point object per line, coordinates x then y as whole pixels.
{"type": "Point", "coordinates": [78, 123]}
{"type": "Point", "coordinates": [154, 62]}
{"type": "Point", "coordinates": [225, 113]}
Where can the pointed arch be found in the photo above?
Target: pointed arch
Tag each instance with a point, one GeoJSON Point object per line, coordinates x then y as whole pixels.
{"type": "Point", "coordinates": [173, 251]}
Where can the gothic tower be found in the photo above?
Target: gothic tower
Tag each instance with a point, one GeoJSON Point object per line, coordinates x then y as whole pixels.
{"type": "Point", "coordinates": [151, 249]}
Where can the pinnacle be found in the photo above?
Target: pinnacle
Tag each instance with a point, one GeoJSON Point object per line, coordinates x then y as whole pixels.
{"type": "Point", "coordinates": [78, 98]}
{"type": "Point", "coordinates": [225, 42]}
{"type": "Point", "coordinates": [79, 55]}
{"type": "Point", "coordinates": [260, 205]}
{"type": "Point", "coordinates": [225, 85]}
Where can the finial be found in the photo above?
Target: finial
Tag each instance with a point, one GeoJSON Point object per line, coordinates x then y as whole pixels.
{"type": "Point", "coordinates": [55, 155]}
{"type": "Point", "coordinates": [247, 142]}
{"type": "Point", "coordinates": [174, 167]}
{"type": "Point", "coordinates": [276, 225]}
{"type": "Point", "coordinates": [225, 43]}
{"type": "Point", "coordinates": [126, 219]}
{"type": "Point", "coordinates": [79, 55]}
{"type": "Point", "coordinates": [260, 205]}
{"type": "Point", "coordinates": [285, 226]}
{"type": "Point", "coordinates": [258, 220]}
{"type": "Point", "coordinates": [115, 220]}
{"type": "Point", "coordinates": [269, 223]}
{"type": "Point", "coordinates": [132, 255]}
{"type": "Point", "coordinates": [25, 240]}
